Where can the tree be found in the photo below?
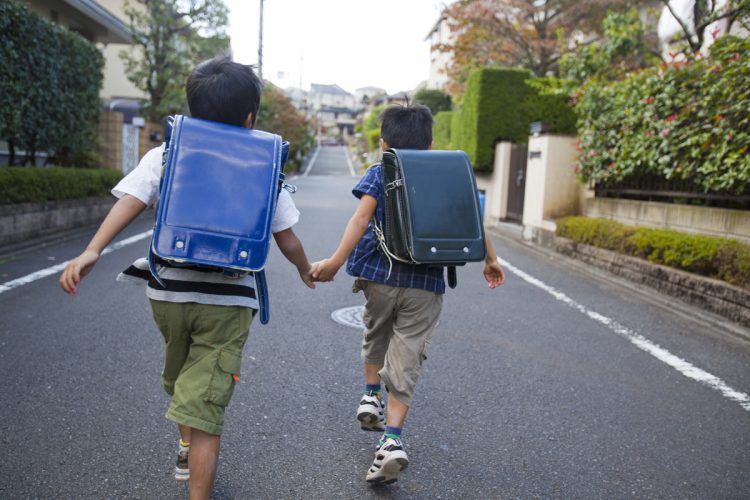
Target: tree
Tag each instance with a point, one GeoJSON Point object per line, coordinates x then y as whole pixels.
{"type": "Point", "coordinates": [704, 13]}
{"type": "Point", "coordinates": [169, 38]}
{"type": "Point", "coordinates": [517, 33]}
{"type": "Point", "coordinates": [434, 99]}
{"type": "Point", "coordinates": [278, 115]}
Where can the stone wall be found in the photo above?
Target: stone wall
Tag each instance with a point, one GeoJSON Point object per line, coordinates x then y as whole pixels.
{"type": "Point", "coordinates": [110, 140]}
{"type": "Point", "coordinates": [690, 219]}
{"type": "Point", "coordinates": [24, 221]}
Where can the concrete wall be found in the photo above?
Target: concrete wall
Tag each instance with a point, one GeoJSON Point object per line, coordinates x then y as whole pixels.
{"type": "Point", "coordinates": [25, 221]}
{"type": "Point", "coordinates": [495, 184]}
{"type": "Point", "coordinates": [552, 189]}
{"type": "Point", "coordinates": [690, 219]}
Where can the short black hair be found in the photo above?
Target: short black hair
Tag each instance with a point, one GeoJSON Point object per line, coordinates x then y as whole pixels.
{"type": "Point", "coordinates": [222, 90]}
{"type": "Point", "coordinates": [407, 127]}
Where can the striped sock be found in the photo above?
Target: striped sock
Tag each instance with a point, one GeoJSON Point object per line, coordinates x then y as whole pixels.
{"type": "Point", "coordinates": [184, 446]}
{"type": "Point", "coordinates": [373, 389]}
{"type": "Point", "coordinates": [392, 432]}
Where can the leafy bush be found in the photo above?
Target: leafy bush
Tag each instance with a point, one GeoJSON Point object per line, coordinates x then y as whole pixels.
{"type": "Point", "coordinates": [37, 185]}
{"type": "Point", "coordinates": [49, 87]}
{"type": "Point", "coordinates": [434, 99]}
{"type": "Point", "coordinates": [500, 104]}
{"type": "Point", "coordinates": [686, 120]}
{"type": "Point", "coordinates": [277, 114]}
{"type": "Point", "coordinates": [441, 130]}
{"type": "Point", "coordinates": [721, 258]}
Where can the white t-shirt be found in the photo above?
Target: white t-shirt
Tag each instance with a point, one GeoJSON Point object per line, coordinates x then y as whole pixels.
{"type": "Point", "coordinates": [185, 285]}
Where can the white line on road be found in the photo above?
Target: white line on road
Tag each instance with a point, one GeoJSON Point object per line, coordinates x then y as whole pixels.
{"type": "Point", "coordinates": [312, 160]}
{"type": "Point", "coordinates": [37, 275]}
{"type": "Point", "coordinates": [349, 161]}
{"type": "Point", "coordinates": [684, 367]}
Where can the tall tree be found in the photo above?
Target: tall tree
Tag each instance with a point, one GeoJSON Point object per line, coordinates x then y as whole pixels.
{"type": "Point", "coordinates": [518, 33]}
{"type": "Point", "coordinates": [704, 13]}
{"type": "Point", "coordinates": [169, 37]}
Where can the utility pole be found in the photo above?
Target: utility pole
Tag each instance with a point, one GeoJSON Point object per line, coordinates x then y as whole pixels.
{"type": "Point", "coordinates": [260, 43]}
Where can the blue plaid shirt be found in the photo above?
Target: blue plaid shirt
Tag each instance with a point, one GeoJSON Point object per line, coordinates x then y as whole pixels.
{"type": "Point", "coordinates": [367, 262]}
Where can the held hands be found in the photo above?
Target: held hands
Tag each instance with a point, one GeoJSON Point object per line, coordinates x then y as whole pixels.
{"type": "Point", "coordinates": [493, 273]}
{"type": "Point", "coordinates": [324, 270]}
{"type": "Point", "coordinates": [306, 275]}
{"type": "Point", "coordinates": [77, 269]}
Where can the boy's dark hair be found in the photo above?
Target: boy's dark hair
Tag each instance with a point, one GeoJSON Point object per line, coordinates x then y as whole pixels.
{"type": "Point", "coordinates": [222, 90]}
{"type": "Point", "coordinates": [407, 127]}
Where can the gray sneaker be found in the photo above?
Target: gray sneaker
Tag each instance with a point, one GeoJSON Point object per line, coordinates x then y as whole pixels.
{"type": "Point", "coordinates": [181, 470]}
{"type": "Point", "coordinates": [371, 413]}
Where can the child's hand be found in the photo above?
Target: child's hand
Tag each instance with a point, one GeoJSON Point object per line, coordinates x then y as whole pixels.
{"type": "Point", "coordinates": [77, 269]}
{"type": "Point", "coordinates": [306, 275]}
{"type": "Point", "coordinates": [493, 273]}
{"type": "Point", "coordinates": [324, 270]}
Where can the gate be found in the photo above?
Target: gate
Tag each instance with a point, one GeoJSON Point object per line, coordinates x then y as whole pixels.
{"type": "Point", "coordinates": [516, 182]}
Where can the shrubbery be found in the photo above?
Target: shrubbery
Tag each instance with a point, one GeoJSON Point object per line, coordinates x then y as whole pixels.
{"type": "Point", "coordinates": [686, 120]}
{"type": "Point", "coordinates": [715, 257]}
{"type": "Point", "coordinates": [49, 87]}
{"type": "Point", "coordinates": [441, 130]}
{"type": "Point", "coordinates": [500, 104]}
{"type": "Point", "coordinates": [36, 185]}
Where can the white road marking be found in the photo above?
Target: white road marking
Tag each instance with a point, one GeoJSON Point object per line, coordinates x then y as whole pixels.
{"type": "Point", "coordinates": [43, 273]}
{"type": "Point", "coordinates": [349, 316]}
{"type": "Point", "coordinates": [684, 367]}
{"type": "Point", "coordinates": [349, 161]}
{"type": "Point", "coordinates": [312, 160]}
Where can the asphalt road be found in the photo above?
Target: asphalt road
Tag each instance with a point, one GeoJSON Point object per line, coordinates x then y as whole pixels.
{"type": "Point", "coordinates": [556, 385]}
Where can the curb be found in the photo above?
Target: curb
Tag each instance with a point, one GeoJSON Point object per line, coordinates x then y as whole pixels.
{"type": "Point", "coordinates": [602, 269]}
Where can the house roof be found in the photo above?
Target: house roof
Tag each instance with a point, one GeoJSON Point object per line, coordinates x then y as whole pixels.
{"type": "Point", "coordinates": [114, 30]}
{"type": "Point", "coordinates": [335, 109]}
{"type": "Point", "coordinates": [319, 88]}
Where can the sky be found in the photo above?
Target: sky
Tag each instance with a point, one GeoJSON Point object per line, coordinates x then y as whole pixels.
{"type": "Point", "coordinates": [351, 43]}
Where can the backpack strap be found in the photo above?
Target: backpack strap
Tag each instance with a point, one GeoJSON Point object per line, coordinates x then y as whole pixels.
{"type": "Point", "coordinates": [261, 291]}
{"type": "Point", "coordinates": [452, 278]}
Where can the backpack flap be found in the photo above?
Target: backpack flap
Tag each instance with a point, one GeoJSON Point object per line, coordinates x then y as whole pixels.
{"type": "Point", "coordinates": [442, 214]}
{"type": "Point", "coordinates": [218, 195]}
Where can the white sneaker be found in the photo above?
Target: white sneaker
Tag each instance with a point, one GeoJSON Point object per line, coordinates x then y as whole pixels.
{"type": "Point", "coordinates": [390, 460]}
{"type": "Point", "coordinates": [371, 413]}
{"type": "Point", "coordinates": [181, 470]}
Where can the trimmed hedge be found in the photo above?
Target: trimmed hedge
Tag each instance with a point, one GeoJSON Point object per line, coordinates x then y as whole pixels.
{"type": "Point", "coordinates": [37, 185]}
{"type": "Point", "coordinates": [49, 87]}
{"type": "Point", "coordinates": [721, 258]}
{"type": "Point", "coordinates": [441, 130]}
{"type": "Point", "coordinates": [500, 104]}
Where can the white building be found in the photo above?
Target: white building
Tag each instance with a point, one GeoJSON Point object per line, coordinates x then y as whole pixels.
{"type": "Point", "coordinates": [439, 61]}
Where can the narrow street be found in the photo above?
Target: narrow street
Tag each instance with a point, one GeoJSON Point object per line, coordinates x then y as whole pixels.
{"type": "Point", "coordinates": [558, 384]}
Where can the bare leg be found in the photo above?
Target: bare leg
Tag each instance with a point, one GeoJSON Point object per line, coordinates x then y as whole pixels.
{"type": "Point", "coordinates": [371, 373]}
{"type": "Point", "coordinates": [396, 412]}
{"type": "Point", "coordinates": [204, 460]}
{"type": "Point", "coordinates": [184, 433]}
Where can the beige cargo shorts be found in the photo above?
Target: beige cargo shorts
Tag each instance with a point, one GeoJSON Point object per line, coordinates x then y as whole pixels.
{"type": "Point", "coordinates": [398, 328]}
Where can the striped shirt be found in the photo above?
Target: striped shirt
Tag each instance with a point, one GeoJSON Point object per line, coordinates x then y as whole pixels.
{"type": "Point", "coordinates": [367, 262]}
{"type": "Point", "coordinates": [192, 285]}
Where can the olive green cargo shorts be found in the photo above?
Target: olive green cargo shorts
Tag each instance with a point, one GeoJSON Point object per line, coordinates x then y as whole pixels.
{"type": "Point", "coordinates": [202, 361]}
{"type": "Point", "coordinates": [398, 329]}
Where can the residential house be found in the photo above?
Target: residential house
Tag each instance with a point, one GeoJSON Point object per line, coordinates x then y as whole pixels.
{"type": "Point", "coordinates": [439, 61]}
{"type": "Point", "coordinates": [334, 109]}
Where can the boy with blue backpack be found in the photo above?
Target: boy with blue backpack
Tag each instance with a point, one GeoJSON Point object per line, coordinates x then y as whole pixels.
{"type": "Point", "coordinates": [403, 300]}
{"type": "Point", "coordinates": [204, 315]}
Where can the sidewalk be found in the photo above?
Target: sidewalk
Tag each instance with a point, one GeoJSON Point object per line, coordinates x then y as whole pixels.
{"type": "Point", "coordinates": [696, 289]}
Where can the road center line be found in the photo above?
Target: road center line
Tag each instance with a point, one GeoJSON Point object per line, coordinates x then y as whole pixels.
{"type": "Point", "coordinates": [43, 273]}
{"type": "Point", "coordinates": [684, 367]}
{"type": "Point", "coordinates": [312, 160]}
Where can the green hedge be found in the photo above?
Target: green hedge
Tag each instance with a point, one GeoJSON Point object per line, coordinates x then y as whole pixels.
{"type": "Point", "coordinates": [715, 257]}
{"type": "Point", "coordinates": [500, 104]}
{"type": "Point", "coordinates": [684, 121]}
{"type": "Point", "coordinates": [49, 87]}
{"type": "Point", "coordinates": [36, 185]}
{"type": "Point", "coordinates": [441, 130]}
